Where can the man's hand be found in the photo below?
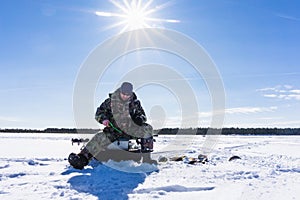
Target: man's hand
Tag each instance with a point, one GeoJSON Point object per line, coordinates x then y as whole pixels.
{"type": "Point", "coordinates": [139, 121]}
{"type": "Point", "coordinates": [106, 122]}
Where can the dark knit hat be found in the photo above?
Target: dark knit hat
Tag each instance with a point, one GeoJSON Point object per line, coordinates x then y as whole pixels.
{"type": "Point", "coordinates": [126, 88]}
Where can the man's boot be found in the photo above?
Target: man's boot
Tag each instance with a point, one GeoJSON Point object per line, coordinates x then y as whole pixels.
{"type": "Point", "coordinates": [78, 161]}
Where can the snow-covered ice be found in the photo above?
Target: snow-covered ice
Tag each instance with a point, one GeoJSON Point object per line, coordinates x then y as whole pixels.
{"type": "Point", "coordinates": [34, 166]}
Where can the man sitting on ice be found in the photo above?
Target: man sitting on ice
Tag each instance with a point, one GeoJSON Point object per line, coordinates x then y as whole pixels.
{"type": "Point", "coordinates": [123, 117]}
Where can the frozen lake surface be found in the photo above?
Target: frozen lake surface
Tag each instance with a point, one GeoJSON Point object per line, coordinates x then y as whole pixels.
{"type": "Point", "coordinates": [35, 166]}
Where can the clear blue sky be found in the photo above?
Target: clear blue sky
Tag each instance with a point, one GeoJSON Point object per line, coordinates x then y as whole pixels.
{"type": "Point", "coordinates": [255, 44]}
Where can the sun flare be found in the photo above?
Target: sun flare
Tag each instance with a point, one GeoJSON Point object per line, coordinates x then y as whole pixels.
{"type": "Point", "coordinates": [135, 14]}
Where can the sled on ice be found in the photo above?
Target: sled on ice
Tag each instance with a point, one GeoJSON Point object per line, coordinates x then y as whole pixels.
{"type": "Point", "coordinates": [124, 149]}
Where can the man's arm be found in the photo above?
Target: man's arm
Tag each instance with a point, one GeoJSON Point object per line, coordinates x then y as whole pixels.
{"type": "Point", "coordinates": [103, 111]}
{"type": "Point", "coordinates": [139, 116]}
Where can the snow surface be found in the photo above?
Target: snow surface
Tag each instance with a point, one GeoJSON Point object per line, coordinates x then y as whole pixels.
{"type": "Point", "coordinates": [34, 166]}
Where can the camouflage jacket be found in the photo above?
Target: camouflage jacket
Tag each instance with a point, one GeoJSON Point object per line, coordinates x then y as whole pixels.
{"type": "Point", "coordinates": [123, 114]}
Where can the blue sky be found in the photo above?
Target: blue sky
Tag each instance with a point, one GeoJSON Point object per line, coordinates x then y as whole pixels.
{"type": "Point", "coordinates": [254, 44]}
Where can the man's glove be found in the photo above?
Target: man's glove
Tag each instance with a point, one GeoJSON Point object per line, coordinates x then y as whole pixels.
{"type": "Point", "coordinates": [106, 122]}
{"type": "Point", "coordinates": [139, 121]}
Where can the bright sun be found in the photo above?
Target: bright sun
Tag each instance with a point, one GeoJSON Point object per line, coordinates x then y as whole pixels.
{"type": "Point", "coordinates": [136, 18]}
{"type": "Point", "coordinates": [135, 14]}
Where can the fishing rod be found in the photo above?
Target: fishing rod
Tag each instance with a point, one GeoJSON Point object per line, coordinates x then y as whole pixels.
{"type": "Point", "coordinates": [116, 129]}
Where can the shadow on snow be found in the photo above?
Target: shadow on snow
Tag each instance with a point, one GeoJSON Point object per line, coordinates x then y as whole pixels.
{"type": "Point", "coordinates": [105, 182]}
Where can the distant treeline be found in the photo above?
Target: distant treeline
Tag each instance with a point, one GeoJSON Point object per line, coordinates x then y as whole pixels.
{"type": "Point", "coordinates": [174, 131]}
{"type": "Point", "coordinates": [50, 130]}
{"type": "Point", "coordinates": [230, 131]}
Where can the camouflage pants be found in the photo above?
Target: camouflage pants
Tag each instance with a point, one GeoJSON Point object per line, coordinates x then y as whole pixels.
{"type": "Point", "coordinates": [102, 139]}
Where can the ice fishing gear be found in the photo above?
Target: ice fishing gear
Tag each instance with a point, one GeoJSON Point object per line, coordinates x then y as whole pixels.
{"type": "Point", "coordinates": [79, 140]}
{"type": "Point", "coordinates": [189, 160]}
{"type": "Point", "coordinates": [234, 158]}
{"type": "Point", "coordinates": [145, 143]}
